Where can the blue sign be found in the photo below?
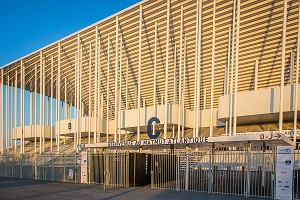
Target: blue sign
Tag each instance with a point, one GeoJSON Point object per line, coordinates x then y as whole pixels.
{"type": "Point", "coordinates": [149, 129]}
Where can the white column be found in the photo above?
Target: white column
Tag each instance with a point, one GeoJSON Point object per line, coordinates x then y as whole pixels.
{"type": "Point", "coordinates": [95, 85]}
{"type": "Point", "coordinates": [120, 89]}
{"type": "Point", "coordinates": [41, 100]}
{"type": "Point", "coordinates": [90, 92]}
{"type": "Point", "coordinates": [15, 109]}
{"type": "Point", "coordinates": [154, 67]}
{"type": "Point", "coordinates": [226, 91]}
{"type": "Point", "coordinates": [297, 80]}
{"type": "Point", "coordinates": [107, 89]}
{"type": "Point", "coordinates": [282, 65]}
{"type": "Point", "coordinates": [232, 65]}
{"type": "Point", "coordinates": [196, 72]}
{"type": "Point", "coordinates": [58, 97]}
{"type": "Point", "coordinates": [35, 106]}
{"type": "Point", "coordinates": [43, 110]}
{"type": "Point", "coordinates": [51, 106]}
{"type": "Point", "coordinates": [22, 107]}
{"type": "Point", "coordinates": [180, 74]}
{"type": "Point", "coordinates": [7, 113]}
{"type": "Point", "coordinates": [236, 65]}
{"type": "Point", "coordinates": [174, 76]}
{"type": "Point", "coordinates": [183, 91]}
{"type": "Point", "coordinates": [116, 78]}
{"type": "Point", "coordinates": [198, 67]}
{"type": "Point", "coordinates": [167, 70]}
{"type": "Point", "coordinates": [212, 71]}
{"type": "Point", "coordinates": [139, 75]}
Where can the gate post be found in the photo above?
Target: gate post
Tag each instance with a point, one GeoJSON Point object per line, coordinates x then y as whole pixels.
{"type": "Point", "coordinates": [248, 147]}
{"type": "Point", "coordinates": [187, 169]}
{"type": "Point", "coordinates": [52, 160]}
{"type": "Point", "coordinates": [211, 163]}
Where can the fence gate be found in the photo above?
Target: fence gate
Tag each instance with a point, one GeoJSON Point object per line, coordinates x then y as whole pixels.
{"type": "Point", "coordinates": [242, 171]}
{"type": "Point", "coordinates": [116, 170]}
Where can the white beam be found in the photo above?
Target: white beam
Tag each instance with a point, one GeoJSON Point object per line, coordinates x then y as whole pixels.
{"type": "Point", "coordinates": [139, 75]}
{"type": "Point", "coordinates": [116, 78]}
{"type": "Point", "coordinates": [212, 70]}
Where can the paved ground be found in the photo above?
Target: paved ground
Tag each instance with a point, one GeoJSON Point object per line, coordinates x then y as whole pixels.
{"type": "Point", "coordinates": [31, 189]}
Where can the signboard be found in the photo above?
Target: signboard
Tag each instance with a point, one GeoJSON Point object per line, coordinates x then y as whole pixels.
{"type": "Point", "coordinates": [284, 172]}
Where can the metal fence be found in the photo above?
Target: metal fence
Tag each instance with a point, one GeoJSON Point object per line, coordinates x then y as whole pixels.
{"type": "Point", "coordinates": [241, 171]}
{"type": "Point", "coordinates": [51, 167]}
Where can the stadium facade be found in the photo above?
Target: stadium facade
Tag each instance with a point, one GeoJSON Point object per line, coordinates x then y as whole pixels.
{"type": "Point", "coordinates": [160, 74]}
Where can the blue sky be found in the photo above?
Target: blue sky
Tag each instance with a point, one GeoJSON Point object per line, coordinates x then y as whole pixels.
{"type": "Point", "coordinates": [27, 25]}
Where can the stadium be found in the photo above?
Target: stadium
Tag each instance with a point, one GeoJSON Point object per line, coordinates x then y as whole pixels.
{"type": "Point", "coordinates": [189, 95]}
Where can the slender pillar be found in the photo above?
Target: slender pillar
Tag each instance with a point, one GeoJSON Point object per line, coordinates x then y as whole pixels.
{"type": "Point", "coordinates": [297, 81]}
{"type": "Point", "coordinates": [22, 107]}
{"type": "Point", "coordinates": [7, 113]}
{"type": "Point", "coordinates": [41, 100]}
{"type": "Point", "coordinates": [232, 65]}
{"type": "Point", "coordinates": [120, 90]}
{"type": "Point", "coordinates": [236, 65]}
{"type": "Point", "coordinates": [51, 106]}
{"type": "Point", "coordinates": [196, 71]}
{"type": "Point", "coordinates": [139, 75]}
{"type": "Point", "coordinates": [155, 60]}
{"type": "Point", "coordinates": [107, 89]}
{"type": "Point", "coordinates": [212, 71]}
{"type": "Point", "coordinates": [198, 67]}
{"type": "Point", "coordinates": [58, 97]}
{"type": "Point", "coordinates": [180, 74]}
{"type": "Point", "coordinates": [15, 109]}
{"type": "Point", "coordinates": [35, 107]}
{"type": "Point", "coordinates": [90, 92]}
{"type": "Point", "coordinates": [116, 78]}
{"type": "Point", "coordinates": [226, 90]}
{"type": "Point", "coordinates": [174, 76]}
{"type": "Point", "coordinates": [167, 70]}
{"type": "Point", "coordinates": [43, 110]}
{"type": "Point", "coordinates": [95, 85]}
{"type": "Point", "coordinates": [127, 65]}
{"type": "Point", "coordinates": [282, 65]}
{"type": "Point", "coordinates": [183, 92]}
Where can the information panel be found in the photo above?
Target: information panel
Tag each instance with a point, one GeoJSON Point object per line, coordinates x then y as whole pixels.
{"type": "Point", "coordinates": [284, 172]}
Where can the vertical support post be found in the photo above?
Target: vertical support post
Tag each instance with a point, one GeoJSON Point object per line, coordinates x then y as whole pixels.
{"type": "Point", "coordinates": [282, 65]}
{"type": "Point", "coordinates": [198, 66]}
{"type": "Point", "coordinates": [297, 81]}
{"type": "Point", "coordinates": [41, 100]}
{"type": "Point", "coordinates": [51, 107]}
{"type": "Point", "coordinates": [95, 85]}
{"type": "Point", "coordinates": [212, 71]}
{"type": "Point", "coordinates": [58, 97]}
{"type": "Point", "coordinates": [167, 70]}
{"type": "Point", "coordinates": [196, 71]}
{"type": "Point", "coordinates": [43, 110]}
{"type": "Point", "coordinates": [232, 64]}
{"type": "Point", "coordinates": [90, 96]}
{"type": "Point", "coordinates": [155, 62]}
{"type": "Point", "coordinates": [256, 75]}
{"type": "Point", "coordinates": [183, 92]}
{"type": "Point", "coordinates": [236, 65]}
{"type": "Point", "coordinates": [35, 107]}
{"type": "Point", "coordinates": [139, 75]}
{"type": "Point", "coordinates": [226, 82]}
{"type": "Point", "coordinates": [22, 107]}
{"type": "Point", "coordinates": [7, 113]}
{"type": "Point", "coordinates": [174, 76]}
{"type": "Point", "coordinates": [16, 109]}
{"type": "Point", "coordinates": [120, 89]}
{"type": "Point", "coordinates": [107, 89]}
{"type": "Point", "coordinates": [180, 74]}
{"type": "Point", "coordinates": [116, 78]}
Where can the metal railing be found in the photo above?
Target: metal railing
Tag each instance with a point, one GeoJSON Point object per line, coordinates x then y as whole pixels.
{"type": "Point", "coordinates": [51, 167]}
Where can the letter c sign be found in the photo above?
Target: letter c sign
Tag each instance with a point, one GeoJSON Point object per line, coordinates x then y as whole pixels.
{"type": "Point", "coordinates": [149, 128]}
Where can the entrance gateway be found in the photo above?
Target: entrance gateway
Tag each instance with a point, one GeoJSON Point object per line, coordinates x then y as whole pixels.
{"type": "Point", "coordinates": [251, 165]}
